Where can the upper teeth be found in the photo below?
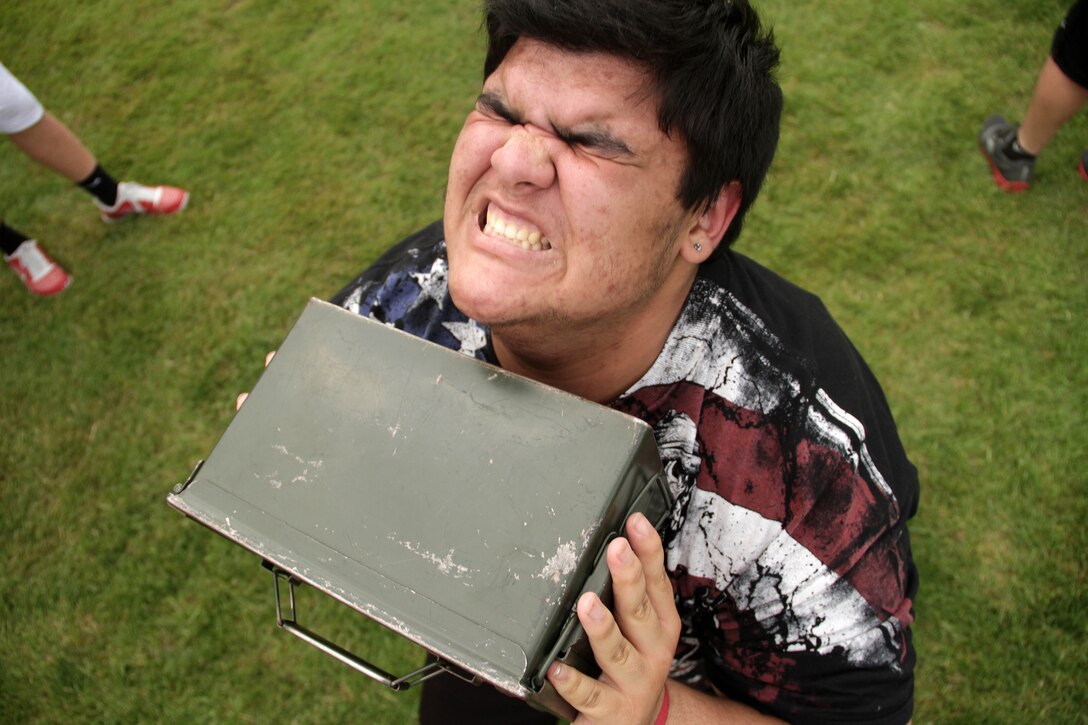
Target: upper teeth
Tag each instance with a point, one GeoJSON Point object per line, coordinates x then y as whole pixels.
{"type": "Point", "coordinates": [522, 236]}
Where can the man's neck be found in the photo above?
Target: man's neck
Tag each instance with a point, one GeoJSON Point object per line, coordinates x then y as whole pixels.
{"type": "Point", "coordinates": [598, 362]}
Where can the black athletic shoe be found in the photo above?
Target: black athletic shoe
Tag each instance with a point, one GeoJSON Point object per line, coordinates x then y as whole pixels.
{"type": "Point", "coordinates": [1010, 174]}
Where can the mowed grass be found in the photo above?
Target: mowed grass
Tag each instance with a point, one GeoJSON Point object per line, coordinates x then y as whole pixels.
{"type": "Point", "coordinates": [314, 135]}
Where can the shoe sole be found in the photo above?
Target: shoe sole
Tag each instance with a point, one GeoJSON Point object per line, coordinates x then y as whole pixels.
{"type": "Point", "coordinates": [1009, 187]}
{"type": "Point", "coordinates": [66, 286]}
{"type": "Point", "coordinates": [55, 292]}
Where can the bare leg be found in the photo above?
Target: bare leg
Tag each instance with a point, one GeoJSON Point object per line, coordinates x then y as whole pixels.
{"type": "Point", "coordinates": [50, 143]}
{"type": "Point", "coordinates": [1056, 99]}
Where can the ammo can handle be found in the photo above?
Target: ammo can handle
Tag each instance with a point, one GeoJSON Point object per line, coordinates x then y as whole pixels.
{"type": "Point", "coordinates": [357, 663]}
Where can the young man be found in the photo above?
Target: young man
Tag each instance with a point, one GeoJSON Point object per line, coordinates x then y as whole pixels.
{"type": "Point", "coordinates": [1060, 93]}
{"type": "Point", "coordinates": [42, 137]}
{"type": "Point", "coordinates": [593, 194]}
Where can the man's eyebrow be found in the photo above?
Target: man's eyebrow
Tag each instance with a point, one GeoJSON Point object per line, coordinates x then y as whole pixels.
{"type": "Point", "coordinates": [595, 139]}
{"type": "Point", "coordinates": [491, 103]}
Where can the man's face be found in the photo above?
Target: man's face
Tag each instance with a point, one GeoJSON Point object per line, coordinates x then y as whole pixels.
{"type": "Point", "coordinates": [561, 208]}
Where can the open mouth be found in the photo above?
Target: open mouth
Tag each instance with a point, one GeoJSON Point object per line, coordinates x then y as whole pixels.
{"type": "Point", "coordinates": [497, 225]}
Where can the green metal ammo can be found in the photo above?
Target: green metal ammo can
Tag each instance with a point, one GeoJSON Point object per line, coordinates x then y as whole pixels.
{"type": "Point", "coordinates": [463, 507]}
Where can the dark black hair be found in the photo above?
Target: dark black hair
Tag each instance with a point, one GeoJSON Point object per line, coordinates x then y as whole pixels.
{"type": "Point", "coordinates": [713, 68]}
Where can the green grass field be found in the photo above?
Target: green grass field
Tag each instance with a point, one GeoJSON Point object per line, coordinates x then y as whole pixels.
{"type": "Point", "coordinates": [313, 135]}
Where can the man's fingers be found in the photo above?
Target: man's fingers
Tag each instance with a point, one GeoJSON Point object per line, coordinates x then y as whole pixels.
{"type": "Point", "coordinates": [648, 548]}
{"type": "Point", "coordinates": [242, 396]}
{"type": "Point", "coordinates": [585, 694]}
{"type": "Point", "coordinates": [618, 659]}
{"type": "Point", "coordinates": [615, 654]}
{"type": "Point", "coordinates": [634, 610]}
{"type": "Point", "coordinates": [630, 684]}
{"type": "Point", "coordinates": [635, 642]}
{"type": "Point", "coordinates": [644, 605]}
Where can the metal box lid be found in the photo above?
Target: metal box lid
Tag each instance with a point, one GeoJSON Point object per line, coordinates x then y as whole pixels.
{"type": "Point", "coordinates": [460, 505]}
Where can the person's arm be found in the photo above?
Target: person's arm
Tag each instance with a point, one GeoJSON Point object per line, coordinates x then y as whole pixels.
{"type": "Point", "coordinates": [635, 647]}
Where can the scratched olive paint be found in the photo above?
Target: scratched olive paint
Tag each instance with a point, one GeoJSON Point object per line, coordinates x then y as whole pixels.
{"type": "Point", "coordinates": [462, 506]}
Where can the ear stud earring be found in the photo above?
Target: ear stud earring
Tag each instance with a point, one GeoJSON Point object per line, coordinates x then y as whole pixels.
{"type": "Point", "coordinates": [698, 247]}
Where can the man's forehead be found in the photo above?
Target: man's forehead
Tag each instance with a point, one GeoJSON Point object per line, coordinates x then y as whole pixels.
{"type": "Point", "coordinates": [617, 77]}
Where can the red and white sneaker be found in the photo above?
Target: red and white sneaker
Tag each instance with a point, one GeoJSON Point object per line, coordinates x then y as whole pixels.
{"type": "Point", "coordinates": [39, 273]}
{"type": "Point", "coordinates": [133, 198]}
{"type": "Point", "coordinates": [1082, 167]}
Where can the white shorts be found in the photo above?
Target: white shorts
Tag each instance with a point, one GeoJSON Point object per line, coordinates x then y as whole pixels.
{"type": "Point", "coordinates": [19, 109]}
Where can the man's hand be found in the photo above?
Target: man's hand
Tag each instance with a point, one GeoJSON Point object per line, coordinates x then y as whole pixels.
{"type": "Point", "coordinates": [634, 646]}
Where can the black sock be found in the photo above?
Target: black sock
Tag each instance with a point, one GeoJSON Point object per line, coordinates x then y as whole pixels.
{"type": "Point", "coordinates": [102, 185]}
{"type": "Point", "coordinates": [10, 239]}
{"type": "Point", "coordinates": [1014, 150]}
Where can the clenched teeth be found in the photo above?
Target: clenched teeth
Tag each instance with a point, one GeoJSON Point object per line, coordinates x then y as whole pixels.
{"type": "Point", "coordinates": [529, 239]}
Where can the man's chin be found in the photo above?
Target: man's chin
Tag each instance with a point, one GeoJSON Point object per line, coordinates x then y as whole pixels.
{"type": "Point", "coordinates": [482, 309]}
{"type": "Point", "coordinates": [489, 307]}
{"type": "Point", "coordinates": [476, 304]}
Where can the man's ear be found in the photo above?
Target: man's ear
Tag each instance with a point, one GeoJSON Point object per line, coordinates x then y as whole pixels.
{"type": "Point", "coordinates": [706, 233]}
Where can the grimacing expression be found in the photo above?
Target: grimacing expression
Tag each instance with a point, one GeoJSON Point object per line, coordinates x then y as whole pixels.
{"type": "Point", "coordinates": [561, 206]}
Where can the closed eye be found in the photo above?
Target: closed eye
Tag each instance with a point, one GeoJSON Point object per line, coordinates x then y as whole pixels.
{"type": "Point", "coordinates": [600, 143]}
{"type": "Point", "coordinates": [596, 142]}
{"type": "Point", "coordinates": [492, 105]}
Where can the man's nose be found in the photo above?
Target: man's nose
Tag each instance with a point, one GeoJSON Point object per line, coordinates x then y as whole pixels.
{"type": "Point", "coordinates": [524, 162]}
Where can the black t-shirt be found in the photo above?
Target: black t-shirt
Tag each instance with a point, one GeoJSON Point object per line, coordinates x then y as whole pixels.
{"type": "Point", "coordinates": [788, 546]}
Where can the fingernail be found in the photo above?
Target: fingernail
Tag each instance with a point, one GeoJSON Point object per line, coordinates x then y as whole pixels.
{"type": "Point", "coordinates": [641, 524]}
{"type": "Point", "coordinates": [558, 671]}
{"type": "Point", "coordinates": [595, 609]}
{"type": "Point", "coordinates": [626, 555]}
